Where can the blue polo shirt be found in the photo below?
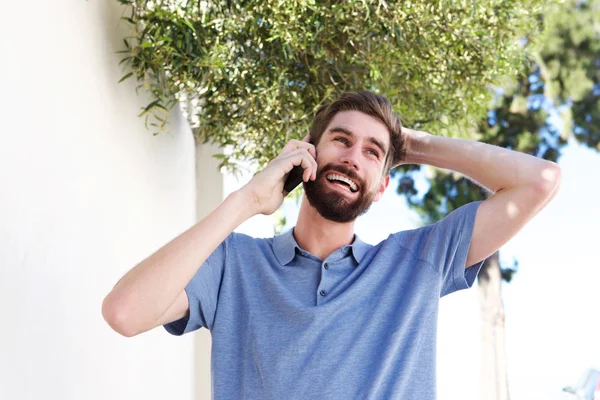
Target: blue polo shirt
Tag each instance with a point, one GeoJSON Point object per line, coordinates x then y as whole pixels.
{"type": "Point", "coordinates": [360, 324]}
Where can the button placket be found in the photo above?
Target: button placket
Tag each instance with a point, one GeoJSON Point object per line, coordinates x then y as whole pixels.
{"type": "Point", "coordinates": [323, 292]}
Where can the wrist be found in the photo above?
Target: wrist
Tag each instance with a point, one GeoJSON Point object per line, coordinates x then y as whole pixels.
{"type": "Point", "coordinates": [417, 143]}
{"type": "Point", "coordinates": [244, 201]}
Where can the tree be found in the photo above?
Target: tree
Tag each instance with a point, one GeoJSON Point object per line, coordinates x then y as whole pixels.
{"type": "Point", "coordinates": [536, 112]}
{"type": "Point", "coordinates": [251, 74]}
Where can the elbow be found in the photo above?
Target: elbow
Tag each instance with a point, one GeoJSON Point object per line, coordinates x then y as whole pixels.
{"type": "Point", "coordinates": [116, 317]}
{"type": "Point", "coordinates": [550, 181]}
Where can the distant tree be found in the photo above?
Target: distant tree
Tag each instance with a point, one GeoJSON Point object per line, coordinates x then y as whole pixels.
{"type": "Point", "coordinates": [536, 112]}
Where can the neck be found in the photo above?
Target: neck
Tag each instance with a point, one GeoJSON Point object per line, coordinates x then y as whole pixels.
{"type": "Point", "coordinates": [320, 236]}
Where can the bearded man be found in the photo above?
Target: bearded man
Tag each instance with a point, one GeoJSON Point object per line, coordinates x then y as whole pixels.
{"type": "Point", "coordinates": [316, 313]}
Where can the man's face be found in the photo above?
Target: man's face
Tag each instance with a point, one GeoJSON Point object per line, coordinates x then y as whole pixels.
{"type": "Point", "coordinates": [350, 157]}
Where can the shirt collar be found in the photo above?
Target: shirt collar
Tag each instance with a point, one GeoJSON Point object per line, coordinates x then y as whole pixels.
{"type": "Point", "coordinates": [285, 246]}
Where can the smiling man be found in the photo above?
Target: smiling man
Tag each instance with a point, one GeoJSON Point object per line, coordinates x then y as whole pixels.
{"type": "Point", "coordinates": [357, 186]}
{"type": "Point", "coordinates": [316, 312]}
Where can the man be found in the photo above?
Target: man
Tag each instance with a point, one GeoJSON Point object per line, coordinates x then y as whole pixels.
{"type": "Point", "coordinates": [316, 313]}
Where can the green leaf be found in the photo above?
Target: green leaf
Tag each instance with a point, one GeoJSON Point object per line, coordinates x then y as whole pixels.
{"type": "Point", "coordinates": [155, 103]}
{"type": "Point", "coordinates": [125, 77]}
{"type": "Point", "coordinates": [189, 24]}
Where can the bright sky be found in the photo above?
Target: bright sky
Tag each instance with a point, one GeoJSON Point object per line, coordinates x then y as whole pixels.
{"type": "Point", "coordinates": [552, 305]}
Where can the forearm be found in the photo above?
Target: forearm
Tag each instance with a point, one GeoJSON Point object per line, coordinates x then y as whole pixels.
{"type": "Point", "coordinates": [143, 295]}
{"type": "Point", "coordinates": [492, 167]}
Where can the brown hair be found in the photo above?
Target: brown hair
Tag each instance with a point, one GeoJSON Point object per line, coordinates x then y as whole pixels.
{"type": "Point", "coordinates": [371, 104]}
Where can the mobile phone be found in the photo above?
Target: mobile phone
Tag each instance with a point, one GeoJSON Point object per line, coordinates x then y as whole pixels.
{"type": "Point", "coordinates": [293, 179]}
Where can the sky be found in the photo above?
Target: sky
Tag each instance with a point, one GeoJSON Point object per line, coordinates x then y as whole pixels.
{"type": "Point", "coordinates": [552, 305]}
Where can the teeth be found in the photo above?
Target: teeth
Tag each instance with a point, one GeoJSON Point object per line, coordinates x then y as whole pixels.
{"type": "Point", "coordinates": [332, 177]}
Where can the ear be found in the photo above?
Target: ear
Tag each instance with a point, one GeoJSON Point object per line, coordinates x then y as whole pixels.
{"type": "Point", "coordinates": [385, 181]}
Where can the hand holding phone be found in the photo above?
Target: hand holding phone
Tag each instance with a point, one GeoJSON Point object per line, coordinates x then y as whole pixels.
{"type": "Point", "coordinates": [294, 178]}
{"type": "Point", "coordinates": [268, 188]}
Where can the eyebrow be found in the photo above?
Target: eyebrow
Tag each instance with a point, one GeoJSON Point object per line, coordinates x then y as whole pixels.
{"type": "Point", "coordinates": [347, 132]}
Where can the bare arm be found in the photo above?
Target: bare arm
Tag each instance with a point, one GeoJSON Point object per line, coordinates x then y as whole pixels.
{"type": "Point", "coordinates": [155, 287]}
{"type": "Point", "coordinates": [522, 184]}
{"type": "Point", "coordinates": [152, 293]}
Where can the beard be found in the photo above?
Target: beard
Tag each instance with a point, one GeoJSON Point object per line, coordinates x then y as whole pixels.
{"type": "Point", "coordinates": [333, 205]}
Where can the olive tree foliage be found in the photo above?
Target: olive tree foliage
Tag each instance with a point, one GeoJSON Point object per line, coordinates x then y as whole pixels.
{"type": "Point", "coordinates": [250, 74]}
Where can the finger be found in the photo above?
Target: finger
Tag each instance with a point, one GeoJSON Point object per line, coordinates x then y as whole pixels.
{"type": "Point", "coordinates": [302, 158]}
{"type": "Point", "coordinates": [311, 172]}
{"type": "Point", "coordinates": [308, 171]}
{"type": "Point", "coordinates": [308, 139]}
{"type": "Point", "coordinates": [295, 144]}
{"type": "Point", "coordinates": [301, 146]}
{"type": "Point", "coordinates": [311, 148]}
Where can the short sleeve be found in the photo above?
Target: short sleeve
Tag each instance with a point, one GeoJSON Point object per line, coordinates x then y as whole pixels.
{"type": "Point", "coordinates": [203, 293]}
{"type": "Point", "coordinates": [446, 246]}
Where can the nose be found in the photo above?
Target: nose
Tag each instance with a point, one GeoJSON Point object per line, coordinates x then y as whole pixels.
{"type": "Point", "coordinates": [351, 156]}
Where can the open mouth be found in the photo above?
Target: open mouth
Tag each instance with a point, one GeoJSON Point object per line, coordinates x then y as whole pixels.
{"type": "Point", "coordinates": [342, 181]}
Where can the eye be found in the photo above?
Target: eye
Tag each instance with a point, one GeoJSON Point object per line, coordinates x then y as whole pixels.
{"type": "Point", "coordinates": [341, 139]}
{"type": "Point", "coordinates": [374, 152]}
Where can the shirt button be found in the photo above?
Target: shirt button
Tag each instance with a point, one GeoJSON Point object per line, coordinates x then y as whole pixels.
{"type": "Point", "coordinates": [326, 266]}
{"type": "Point", "coordinates": [323, 293]}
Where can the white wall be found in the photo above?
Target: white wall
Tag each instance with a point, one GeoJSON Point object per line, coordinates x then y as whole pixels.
{"type": "Point", "coordinates": [86, 193]}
